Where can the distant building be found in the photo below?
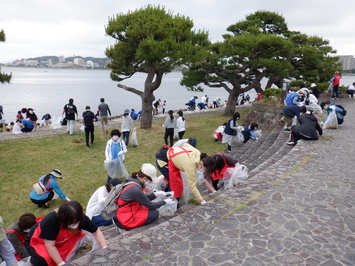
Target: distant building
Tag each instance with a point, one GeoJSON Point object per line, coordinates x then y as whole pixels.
{"type": "Point", "coordinates": [79, 61]}
{"type": "Point", "coordinates": [30, 63]}
{"type": "Point", "coordinates": [61, 59]}
{"type": "Point", "coordinates": [347, 61]}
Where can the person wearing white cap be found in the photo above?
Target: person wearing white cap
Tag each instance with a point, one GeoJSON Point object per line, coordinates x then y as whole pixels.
{"type": "Point", "coordinates": [50, 184]}
{"type": "Point", "coordinates": [136, 208]}
{"type": "Point", "coordinates": [126, 126]}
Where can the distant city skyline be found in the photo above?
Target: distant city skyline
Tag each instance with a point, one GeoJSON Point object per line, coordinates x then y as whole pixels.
{"type": "Point", "coordinates": [67, 27]}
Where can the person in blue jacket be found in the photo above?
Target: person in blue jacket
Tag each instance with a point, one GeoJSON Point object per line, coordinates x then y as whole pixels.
{"type": "Point", "coordinates": [294, 97]}
{"type": "Point", "coordinates": [248, 132]}
{"type": "Point", "coordinates": [50, 183]}
{"type": "Point", "coordinates": [25, 125]}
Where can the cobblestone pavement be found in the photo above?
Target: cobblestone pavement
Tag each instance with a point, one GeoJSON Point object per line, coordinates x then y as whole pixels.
{"type": "Point", "coordinates": [303, 214]}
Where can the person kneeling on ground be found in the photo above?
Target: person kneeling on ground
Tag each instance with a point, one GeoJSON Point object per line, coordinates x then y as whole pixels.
{"type": "Point", "coordinates": [56, 238]}
{"type": "Point", "coordinates": [97, 201]}
{"type": "Point", "coordinates": [49, 182]}
{"type": "Point", "coordinates": [134, 207]}
{"type": "Point", "coordinates": [17, 232]}
{"type": "Point", "coordinates": [307, 130]}
{"type": "Point", "coordinates": [215, 167]}
{"type": "Point", "coordinates": [248, 132]}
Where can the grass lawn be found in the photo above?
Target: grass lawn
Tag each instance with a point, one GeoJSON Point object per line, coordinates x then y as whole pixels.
{"type": "Point", "coordinates": [23, 161]}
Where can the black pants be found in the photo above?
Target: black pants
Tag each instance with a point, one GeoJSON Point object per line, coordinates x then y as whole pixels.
{"type": "Point", "coordinates": [181, 134]}
{"type": "Point", "coordinates": [89, 130]}
{"type": "Point", "coordinates": [169, 132]}
{"type": "Point", "coordinates": [49, 198]}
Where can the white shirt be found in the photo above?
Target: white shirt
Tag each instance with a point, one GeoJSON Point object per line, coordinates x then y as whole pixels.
{"type": "Point", "coordinates": [180, 124]}
{"type": "Point", "coordinates": [96, 202]}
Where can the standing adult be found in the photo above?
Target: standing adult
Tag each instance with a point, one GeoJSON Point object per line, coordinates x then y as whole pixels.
{"type": "Point", "coordinates": [56, 237]}
{"type": "Point", "coordinates": [49, 182]}
{"type": "Point", "coordinates": [163, 107]}
{"type": "Point", "coordinates": [335, 80]}
{"type": "Point", "coordinates": [231, 130]}
{"type": "Point", "coordinates": [156, 106]}
{"type": "Point", "coordinates": [180, 124]}
{"type": "Point", "coordinates": [103, 111]}
{"type": "Point", "coordinates": [88, 122]}
{"type": "Point", "coordinates": [70, 111]}
{"type": "Point", "coordinates": [126, 126]}
{"type": "Point", "coordinates": [169, 125]}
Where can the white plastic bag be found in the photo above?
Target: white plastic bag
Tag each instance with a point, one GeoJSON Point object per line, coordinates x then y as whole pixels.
{"type": "Point", "coordinates": [134, 140]}
{"type": "Point", "coordinates": [331, 121]}
{"type": "Point", "coordinates": [56, 122]}
{"type": "Point", "coordinates": [168, 210]}
{"type": "Point", "coordinates": [200, 178]}
{"type": "Point", "coordinates": [176, 134]}
{"type": "Point", "coordinates": [82, 128]}
{"type": "Point", "coordinates": [234, 176]}
{"type": "Point", "coordinates": [16, 129]}
{"type": "Point", "coordinates": [184, 198]}
{"type": "Point", "coordinates": [116, 168]}
{"type": "Point", "coordinates": [239, 138]}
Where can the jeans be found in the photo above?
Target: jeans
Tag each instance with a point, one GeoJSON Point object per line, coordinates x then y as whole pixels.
{"type": "Point", "coordinates": [125, 137]}
{"type": "Point", "coordinates": [335, 91]}
{"type": "Point", "coordinates": [99, 220]}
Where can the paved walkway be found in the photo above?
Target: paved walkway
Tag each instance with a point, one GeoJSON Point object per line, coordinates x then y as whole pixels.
{"type": "Point", "coordinates": [299, 211]}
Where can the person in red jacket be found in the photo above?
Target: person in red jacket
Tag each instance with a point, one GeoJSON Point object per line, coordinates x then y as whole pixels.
{"type": "Point", "coordinates": [215, 167]}
{"type": "Point", "coordinates": [335, 82]}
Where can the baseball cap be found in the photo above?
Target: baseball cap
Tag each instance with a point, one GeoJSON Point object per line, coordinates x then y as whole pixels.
{"type": "Point", "coordinates": [149, 170]}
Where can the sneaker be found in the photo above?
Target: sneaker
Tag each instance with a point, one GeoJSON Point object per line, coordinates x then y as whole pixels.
{"type": "Point", "coordinates": [290, 143]}
{"type": "Point", "coordinates": [286, 130]}
{"type": "Point", "coordinates": [333, 99]}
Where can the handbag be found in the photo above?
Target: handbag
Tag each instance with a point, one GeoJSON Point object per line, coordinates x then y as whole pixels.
{"type": "Point", "coordinates": [39, 188]}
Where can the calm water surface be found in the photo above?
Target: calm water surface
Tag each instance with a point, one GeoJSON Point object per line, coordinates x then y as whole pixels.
{"type": "Point", "coordinates": [48, 90]}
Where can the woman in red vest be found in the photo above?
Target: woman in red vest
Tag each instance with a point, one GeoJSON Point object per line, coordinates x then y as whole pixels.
{"type": "Point", "coordinates": [134, 207]}
{"type": "Point", "coordinates": [54, 240]}
{"type": "Point", "coordinates": [215, 167]}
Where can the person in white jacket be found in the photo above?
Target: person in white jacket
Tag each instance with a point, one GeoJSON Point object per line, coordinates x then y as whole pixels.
{"type": "Point", "coordinates": [115, 148]}
{"type": "Point", "coordinates": [96, 203]}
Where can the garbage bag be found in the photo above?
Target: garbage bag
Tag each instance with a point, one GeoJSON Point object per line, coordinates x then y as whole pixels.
{"type": "Point", "coordinates": [168, 210]}
{"type": "Point", "coordinates": [234, 176]}
{"type": "Point", "coordinates": [134, 140]}
{"type": "Point", "coordinates": [331, 121]}
{"type": "Point", "coordinates": [116, 168]}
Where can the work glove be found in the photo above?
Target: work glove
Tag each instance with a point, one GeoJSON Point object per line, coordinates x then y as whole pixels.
{"type": "Point", "coordinates": [169, 202]}
{"type": "Point", "coordinates": [159, 194]}
{"type": "Point", "coordinates": [203, 202]}
{"type": "Point", "coordinates": [120, 153]}
{"type": "Point", "coordinates": [67, 198]}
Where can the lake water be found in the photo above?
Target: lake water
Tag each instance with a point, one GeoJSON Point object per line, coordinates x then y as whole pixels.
{"type": "Point", "coordinates": [48, 90]}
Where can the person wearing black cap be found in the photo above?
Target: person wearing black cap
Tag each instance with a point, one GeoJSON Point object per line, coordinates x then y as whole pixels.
{"type": "Point", "coordinates": [96, 203]}
{"type": "Point", "coordinates": [88, 122]}
{"type": "Point", "coordinates": [49, 182]}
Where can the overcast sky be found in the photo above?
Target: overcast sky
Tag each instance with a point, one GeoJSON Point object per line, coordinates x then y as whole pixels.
{"type": "Point", "coordinates": [41, 27]}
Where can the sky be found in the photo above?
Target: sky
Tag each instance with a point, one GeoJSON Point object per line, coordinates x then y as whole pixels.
{"type": "Point", "coordinates": [77, 28]}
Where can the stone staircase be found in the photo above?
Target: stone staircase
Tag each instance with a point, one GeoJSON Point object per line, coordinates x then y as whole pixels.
{"type": "Point", "coordinates": [268, 162]}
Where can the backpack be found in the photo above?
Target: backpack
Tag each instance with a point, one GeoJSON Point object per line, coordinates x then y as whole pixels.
{"type": "Point", "coordinates": [110, 205]}
{"type": "Point", "coordinates": [343, 113]}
